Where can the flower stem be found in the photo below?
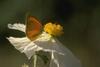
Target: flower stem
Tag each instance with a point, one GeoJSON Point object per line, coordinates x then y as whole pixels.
{"type": "Point", "coordinates": [35, 60]}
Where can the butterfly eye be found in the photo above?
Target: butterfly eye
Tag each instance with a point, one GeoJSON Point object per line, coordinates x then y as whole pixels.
{"type": "Point", "coordinates": [33, 28]}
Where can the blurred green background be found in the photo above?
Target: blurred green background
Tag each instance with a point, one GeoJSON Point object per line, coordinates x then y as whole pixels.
{"type": "Point", "coordinates": [80, 18]}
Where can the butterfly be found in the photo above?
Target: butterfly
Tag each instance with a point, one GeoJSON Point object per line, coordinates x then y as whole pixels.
{"type": "Point", "coordinates": [33, 27]}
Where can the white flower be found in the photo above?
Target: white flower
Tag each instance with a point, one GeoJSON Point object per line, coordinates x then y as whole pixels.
{"type": "Point", "coordinates": [60, 55]}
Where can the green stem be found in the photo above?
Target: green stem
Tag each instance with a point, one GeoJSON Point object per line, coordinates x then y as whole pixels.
{"type": "Point", "coordinates": [35, 60]}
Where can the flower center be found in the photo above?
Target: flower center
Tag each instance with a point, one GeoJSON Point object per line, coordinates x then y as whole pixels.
{"type": "Point", "coordinates": [53, 29]}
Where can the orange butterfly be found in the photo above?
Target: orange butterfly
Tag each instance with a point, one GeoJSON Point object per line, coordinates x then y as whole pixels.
{"type": "Point", "coordinates": [33, 27]}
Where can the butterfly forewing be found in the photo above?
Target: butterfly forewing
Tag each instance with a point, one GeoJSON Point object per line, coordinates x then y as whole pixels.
{"type": "Point", "coordinates": [33, 27]}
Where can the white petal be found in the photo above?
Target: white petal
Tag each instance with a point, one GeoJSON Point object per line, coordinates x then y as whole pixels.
{"type": "Point", "coordinates": [30, 49]}
{"type": "Point", "coordinates": [17, 26]}
{"type": "Point", "coordinates": [48, 44]}
{"type": "Point", "coordinates": [66, 60]}
{"type": "Point", "coordinates": [19, 43]}
{"type": "Point", "coordinates": [45, 41]}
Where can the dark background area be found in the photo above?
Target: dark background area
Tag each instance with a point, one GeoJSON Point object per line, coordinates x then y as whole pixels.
{"type": "Point", "coordinates": [80, 18]}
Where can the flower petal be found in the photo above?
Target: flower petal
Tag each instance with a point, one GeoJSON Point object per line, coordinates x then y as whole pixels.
{"type": "Point", "coordinates": [52, 44]}
{"type": "Point", "coordinates": [30, 49]}
{"type": "Point", "coordinates": [68, 60]}
{"type": "Point", "coordinates": [19, 43]}
{"type": "Point", "coordinates": [48, 43]}
{"type": "Point", "coordinates": [17, 26]}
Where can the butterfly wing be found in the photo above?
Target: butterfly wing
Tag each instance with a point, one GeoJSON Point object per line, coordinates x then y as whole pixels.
{"type": "Point", "coordinates": [33, 27]}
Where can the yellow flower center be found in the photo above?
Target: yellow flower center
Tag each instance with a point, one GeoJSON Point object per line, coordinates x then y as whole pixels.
{"type": "Point", "coordinates": [53, 29]}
